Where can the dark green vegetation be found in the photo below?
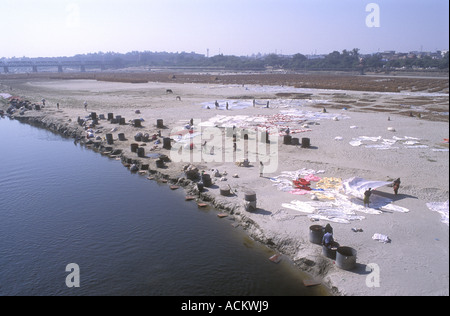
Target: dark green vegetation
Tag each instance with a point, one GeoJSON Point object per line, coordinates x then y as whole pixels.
{"type": "Point", "coordinates": [347, 60]}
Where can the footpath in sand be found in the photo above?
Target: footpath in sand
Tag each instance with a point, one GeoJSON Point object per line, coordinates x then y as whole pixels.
{"type": "Point", "coordinates": [402, 241]}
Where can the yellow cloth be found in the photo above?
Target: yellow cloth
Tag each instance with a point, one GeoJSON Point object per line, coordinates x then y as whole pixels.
{"type": "Point", "coordinates": [329, 183]}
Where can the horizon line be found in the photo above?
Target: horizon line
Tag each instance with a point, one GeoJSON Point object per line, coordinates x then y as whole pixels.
{"type": "Point", "coordinates": [221, 54]}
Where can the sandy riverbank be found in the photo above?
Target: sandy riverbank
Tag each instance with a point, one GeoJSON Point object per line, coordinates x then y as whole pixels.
{"type": "Point", "coordinates": [373, 138]}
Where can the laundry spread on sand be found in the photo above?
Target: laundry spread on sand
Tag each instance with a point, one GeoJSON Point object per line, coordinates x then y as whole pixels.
{"type": "Point", "coordinates": [284, 182]}
{"type": "Point", "coordinates": [329, 183]}
{"type": "Point", "coordinates": [5, 95]}
{"type": "Point", "coordinates": [338, 201]}
{"type": "Point", "coordinates": [357, 186]}
{"type": "Point", "coordinates": [296, 120]}
{"type": "Point", "coordinates": [442, 208]}
{"type": "Point", "coordinates": [319, 210]}
{"type": "Point", "coordinates": [271, 123]}
{"type": "Point", "coordinates": [232, 104]}
{"type": "Point", "coordinates": [381, 143]}
{"type": "Point", "coordinates": [239, 104]}
{"type": "Point", "coordinates": [314, 115]}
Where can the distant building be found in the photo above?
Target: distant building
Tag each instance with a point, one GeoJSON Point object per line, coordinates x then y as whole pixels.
{"type": "Point", "coordinates": [315, 56]}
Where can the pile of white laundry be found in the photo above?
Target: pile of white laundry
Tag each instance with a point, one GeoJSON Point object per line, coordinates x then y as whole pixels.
{"type": "Point", "coordinates": [381, 143]}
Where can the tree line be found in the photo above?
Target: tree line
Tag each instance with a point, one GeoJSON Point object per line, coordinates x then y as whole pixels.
{"type": "Point", "coordinates": [347, 60]}
{"type": "Point", "coordinates": [350, 60]}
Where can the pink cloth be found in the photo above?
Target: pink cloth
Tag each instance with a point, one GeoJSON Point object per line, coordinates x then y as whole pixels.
{"type": "Point", "coordinates": [299, 192]}
{"type": "Point", "coordinates": [311, 177]}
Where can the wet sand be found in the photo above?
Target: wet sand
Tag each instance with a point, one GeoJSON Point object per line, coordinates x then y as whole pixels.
{"type": "Point", "coordinates": [415, 262]}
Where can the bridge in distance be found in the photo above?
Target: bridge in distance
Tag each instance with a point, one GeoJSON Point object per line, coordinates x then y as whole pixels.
{"type": "Point", "coordinates": [34, 65]}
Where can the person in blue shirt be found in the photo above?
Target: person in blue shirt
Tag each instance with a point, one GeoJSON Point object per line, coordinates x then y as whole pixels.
{"type": "Point", "coordinates": [327, 239]}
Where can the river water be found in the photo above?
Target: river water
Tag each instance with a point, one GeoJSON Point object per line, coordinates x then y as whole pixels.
{"type": "Point", "coordinates": [61, 203]}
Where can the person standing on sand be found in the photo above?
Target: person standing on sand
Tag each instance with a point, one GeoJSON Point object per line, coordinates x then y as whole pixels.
{"type": "Point", "coordinates": [85, 105]}
{"type": "Point", "coordinates": [396, 186]}
{"type": "Point", "coordinates": [367, 194]}
{"type": "Point", "coordinates": [57, 106]}
{"type": "Point", "coordinates": [261, 168]}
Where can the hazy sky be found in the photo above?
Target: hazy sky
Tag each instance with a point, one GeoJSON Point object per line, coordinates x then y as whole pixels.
{"type": "Point", "coordinates": [37, 28]}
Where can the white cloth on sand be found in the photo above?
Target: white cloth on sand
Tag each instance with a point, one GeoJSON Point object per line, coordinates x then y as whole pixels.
{"type": "Point", "coordinates": [442, 208]}
{"type": "Point", "coordinates": [381, 238]}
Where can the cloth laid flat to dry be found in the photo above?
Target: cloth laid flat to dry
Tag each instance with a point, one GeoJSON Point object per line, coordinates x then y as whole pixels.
{"type": "Point", "coordinates": [341, 201]}
{"type": "Point", "coordinates": [442, 208]}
